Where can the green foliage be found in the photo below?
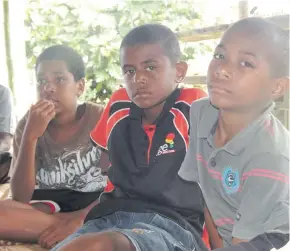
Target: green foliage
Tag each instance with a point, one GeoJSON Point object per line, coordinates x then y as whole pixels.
{"type": "Point", "coordinates": [98, 39]}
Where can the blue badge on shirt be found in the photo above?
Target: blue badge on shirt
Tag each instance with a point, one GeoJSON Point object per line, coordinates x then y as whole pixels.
{"type": "Point", "coordinates": [231, 181]}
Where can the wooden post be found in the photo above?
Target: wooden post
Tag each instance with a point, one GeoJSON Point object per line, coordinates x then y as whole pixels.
{"type": "Point", "coordinates": [8, 45]}
{"type": "Point", "coordinates": [243, 9]}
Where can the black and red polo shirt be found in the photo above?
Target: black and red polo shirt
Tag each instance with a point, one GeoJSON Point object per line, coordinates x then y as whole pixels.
{"type": "Point", "coordinates": [145, 160]}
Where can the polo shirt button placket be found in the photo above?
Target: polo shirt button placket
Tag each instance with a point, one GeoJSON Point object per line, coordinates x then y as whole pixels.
{"type": "Point", "coordinates": [212, 162]}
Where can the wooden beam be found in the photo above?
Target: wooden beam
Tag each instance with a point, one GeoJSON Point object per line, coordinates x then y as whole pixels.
{"type": "Point", "coordinates": [214, 32]}
{"type": "Point", "coordinates": [198, 80]}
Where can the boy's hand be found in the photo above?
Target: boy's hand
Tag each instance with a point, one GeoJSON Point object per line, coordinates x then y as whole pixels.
{"type": "Point", "coordinates": [40, 115]}
{"type": "Point", "coordinates": [59, 231]}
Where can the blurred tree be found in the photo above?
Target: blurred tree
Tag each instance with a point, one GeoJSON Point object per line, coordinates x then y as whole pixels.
{"type": "Point", "coordinates": [96, 32]}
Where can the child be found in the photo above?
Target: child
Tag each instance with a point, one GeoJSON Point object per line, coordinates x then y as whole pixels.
{"type": "Point", "coordinates": [145, 130]}
{"type": "Point", "coordinates": [7, 127]}
{"type": "Point", "coordinates": [55, 166]}
{"type": "Point", "coordinates": [239, 152]}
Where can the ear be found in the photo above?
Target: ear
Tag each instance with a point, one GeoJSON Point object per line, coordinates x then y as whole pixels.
{"type": "Point", "coordinates": [281, 86]}
{"type": "Point", "coordinates": [181, 70]}
{"type": "Point", "coordinates": [80, 87]}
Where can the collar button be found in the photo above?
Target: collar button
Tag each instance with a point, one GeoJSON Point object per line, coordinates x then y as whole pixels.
{"type": "Point", "coordinates": [212, 162]}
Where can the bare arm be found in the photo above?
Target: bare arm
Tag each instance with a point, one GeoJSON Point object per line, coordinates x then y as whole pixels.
{"type": "Point", "coordinates": [104, 162]}
{"type": "Point", "coordinates": [237, 241]}
{"type": "Point", "coordinates": [23, 176]}
{"type": "Point", "coordinates": [215, 239]}
{"type": "Point", "coordinates": [23, 179]}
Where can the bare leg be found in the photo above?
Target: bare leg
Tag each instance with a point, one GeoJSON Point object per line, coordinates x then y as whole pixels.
{"type": "Point", "coordinates": [99, 242]}
{"type": "Point", "coordinates": [14, 204]}
{"type": "Point", "coordinates": [21, 222]}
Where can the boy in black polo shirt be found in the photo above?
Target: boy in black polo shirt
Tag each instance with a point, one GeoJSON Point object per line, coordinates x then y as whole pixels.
{"type": "Point", "coordinates": [145, 130]}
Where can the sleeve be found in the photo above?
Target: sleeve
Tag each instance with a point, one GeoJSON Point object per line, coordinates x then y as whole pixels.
{"type": "Point", "coordinates": [188, 170]}
{"type": "Point", "coordinates": [7, 122]}
{"type": "Point", "coordinates": [99, 133]}
{"type": "Point", "coordinates": [16, 142]}
{"type": "Point", "coordinates": [264, 197]}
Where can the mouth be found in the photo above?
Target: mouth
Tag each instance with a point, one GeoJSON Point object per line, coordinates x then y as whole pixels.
{"type": "Point", "coordinates": [217, 85]}
{"type": "Point", "coordinates": [218, 89]}
{"type": "Point", "coordinates": [54, 101]}
{"type": "Point", "coordinates": [142, 95]}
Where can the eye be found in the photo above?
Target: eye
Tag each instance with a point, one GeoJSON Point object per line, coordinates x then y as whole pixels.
{"type": "Point", "coordinates": [218, 56]}
{"type": "Point", "coordinates": [41, 81]}
{"type": "Point", "coordinates": [151, 68]}
{"type": "Point", "coordinates": [129, 72]}
{"type": "Point", "coordinates": [247, 64]}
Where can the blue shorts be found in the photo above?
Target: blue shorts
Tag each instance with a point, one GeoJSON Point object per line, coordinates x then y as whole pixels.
{"type": "Point", "coordinates": [146, 231]}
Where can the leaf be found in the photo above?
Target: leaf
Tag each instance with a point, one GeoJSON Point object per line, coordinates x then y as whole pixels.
{"type": "Point", "coordinates": [98, 39]}
{"type": "Point", "coordinates": [102, 76]}
{"type": "Point", "coordinates": [114, 71]}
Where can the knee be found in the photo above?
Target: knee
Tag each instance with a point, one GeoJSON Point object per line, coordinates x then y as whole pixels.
{"type": "Point", "coordinates": [5, 203]}
{"type": "Point", "coordinates": [110, 241]}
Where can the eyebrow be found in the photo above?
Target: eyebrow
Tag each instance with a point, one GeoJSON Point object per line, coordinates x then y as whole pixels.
{"type": "Point", "coordinates": [147, 61]}
{"type": "Point", "coordinates": [55, 73]}
{"type": "Point", "coordinates": [248, 53]}
{"type": "Point", "coordinates": [127, 66]}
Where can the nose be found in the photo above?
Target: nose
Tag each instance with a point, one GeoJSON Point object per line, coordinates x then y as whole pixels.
{"type": "Point", "coordinates": [49, 87]}
{"type": "Point", "coordinates": [140, 79]}
{"type": "Point", "coordinates": [223, 71]}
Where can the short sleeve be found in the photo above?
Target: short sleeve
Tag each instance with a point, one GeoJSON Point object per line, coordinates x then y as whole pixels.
{"type": "Point", "coordinates": [99, 133]}
{"type": "Point", "coordinates": [7, 121]}
{"type": "Point", "coordinates": [17, 141]}
{"type": "Point", "coordinates": [188, 170]}
{"type": "Point", "coordinates": [264, 197]}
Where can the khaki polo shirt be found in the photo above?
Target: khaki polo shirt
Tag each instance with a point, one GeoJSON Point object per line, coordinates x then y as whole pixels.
{"type": "Point", "coordinates": [245, 183]}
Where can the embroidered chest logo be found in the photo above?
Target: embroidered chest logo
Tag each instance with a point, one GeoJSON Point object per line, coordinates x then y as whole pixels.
{"type": "Point", "coordinates": [231, 181]}
{"type": "Point", "coordinates": [168, 147]}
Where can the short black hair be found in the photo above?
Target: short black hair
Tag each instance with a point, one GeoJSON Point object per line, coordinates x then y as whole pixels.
{"type": "Point", "coordinates": [72, 59]}
{"type": "Point", "coordinates": [276, 37]}
{"type": "Point", "coordinates": [154, 34]}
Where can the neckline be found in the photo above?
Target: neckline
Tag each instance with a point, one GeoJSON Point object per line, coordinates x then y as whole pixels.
{"type": "Point", "coordinates": [77, 135]}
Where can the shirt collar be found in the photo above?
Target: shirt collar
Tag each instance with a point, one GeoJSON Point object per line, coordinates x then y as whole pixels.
{"type": "Point", "coordinates": [136, 113]}
{"type": "Point", "coordinates": [209, 120]}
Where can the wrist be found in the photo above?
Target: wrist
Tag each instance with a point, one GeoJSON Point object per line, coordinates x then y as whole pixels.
{"type": "Point", "coordinates": [29, 139]}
